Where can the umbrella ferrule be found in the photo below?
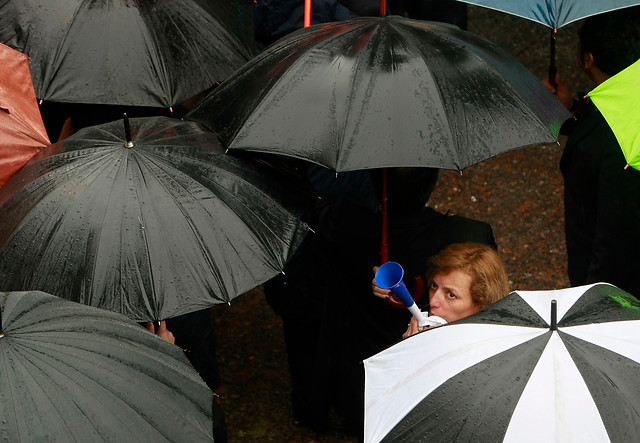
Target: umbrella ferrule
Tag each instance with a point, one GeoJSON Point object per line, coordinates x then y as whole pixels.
{"type": "Point", "coordinates": [554, 315]}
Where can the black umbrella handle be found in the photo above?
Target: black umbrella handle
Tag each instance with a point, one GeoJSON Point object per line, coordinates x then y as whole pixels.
{"type": "Point", "coordinates": [552, 59]}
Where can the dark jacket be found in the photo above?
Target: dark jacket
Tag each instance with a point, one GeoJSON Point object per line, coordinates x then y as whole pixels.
{"type": "Point", "coordinates": [602, 206]}
{"type": "Point", "coordinates": [328, 294]}
{"type": "Point", "coordinates": [354, 235]}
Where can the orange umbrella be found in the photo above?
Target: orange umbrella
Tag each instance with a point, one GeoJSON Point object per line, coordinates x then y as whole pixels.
{"type": "Point", "coordinates": [22, 132]}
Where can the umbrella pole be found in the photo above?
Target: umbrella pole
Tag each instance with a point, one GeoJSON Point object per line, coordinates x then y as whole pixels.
{"type": "Point", "coordinates": [554, 315]}
{"type": "Point", "coordinates": [552, 58]}
{"type": "Point", "coordinates": [127, 131]}
{"type": "Point", "coordinates": [384, 244]}
{"type": "Point", "coordinates": [384, 249]}
{"type": "Point", "coordinates": [307, 13]}
{"type": "Point", "coordinates": [383, 8]}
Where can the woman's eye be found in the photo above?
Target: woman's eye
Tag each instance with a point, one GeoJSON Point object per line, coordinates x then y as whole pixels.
{"type": "Point", "coordinates": [451, 295]}
{"type": "Point", "coordinates": [434, 285]}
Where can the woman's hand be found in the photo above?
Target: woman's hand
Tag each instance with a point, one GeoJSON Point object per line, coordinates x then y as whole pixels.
{"type": "Point", "coordinates": [413, 328]}
{"type": "Point", "coordinates": [377, 290]}
{"type": "Point", "coordinates": [162, 331]}
{"type": "Point", "coordinates": [560, 90]}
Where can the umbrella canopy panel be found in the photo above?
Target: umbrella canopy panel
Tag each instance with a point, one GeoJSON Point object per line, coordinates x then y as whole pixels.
{"type": "Point", "coordinates": [169, 226]}
{"type": "Point", "coordinates": [505, 375]}
{"type": "Point", "coordinates": [383, 92]}
{"type": "Point", "coordinates": [22, 132]}
{"type": "Point", "coordinates": [122, 52]}
{"type": "Point", "coordinates": [70, 372]}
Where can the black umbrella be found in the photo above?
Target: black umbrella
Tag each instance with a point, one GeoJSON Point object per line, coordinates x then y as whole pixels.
{"type": "Point", "coordinates": [558, 365]}
{"type": "Point", "coordinates": [167, 226]}
{"type": "Point", "coordinates": [382, 92]}
{"type": "Point", "coordinates": [70, 372]}
{"type": "Point", "coordinates": [146, 53]}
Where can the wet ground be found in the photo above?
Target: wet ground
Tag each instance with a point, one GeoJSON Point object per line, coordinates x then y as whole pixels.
{"type": "Point", "coordinates": [519, 193]}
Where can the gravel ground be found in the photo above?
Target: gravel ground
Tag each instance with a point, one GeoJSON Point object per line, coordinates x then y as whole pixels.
{"type": "Point", "coordinates": [519, 193]}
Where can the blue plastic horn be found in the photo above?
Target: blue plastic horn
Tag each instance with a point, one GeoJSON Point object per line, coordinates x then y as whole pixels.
{"type": "Point", "coordinates": [389, 276]}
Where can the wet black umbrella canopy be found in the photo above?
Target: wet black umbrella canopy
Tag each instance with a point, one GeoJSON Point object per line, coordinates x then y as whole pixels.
{"type": "Point", "coordinates": [154, 227]}
{"type": "Point", "coordinates": [382, 92]}
{"type": "Point", "coordinates": [122, 52]}
{"type": "Point", "coordinates": [70, 372]}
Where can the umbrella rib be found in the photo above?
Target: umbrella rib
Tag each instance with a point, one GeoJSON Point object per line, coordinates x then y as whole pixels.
{"type": "Point", "coordinates": [353, 80]}
{"type": "Point", "coordinates": [59, 221]}
{"type": "Point", "coordinates": [26, 372]}
{"type": "Point", "coordinates": [441, 101]}
{"type": "Point", "coordinates": [154, 295]}
{"type": "Point", "coordinates": [258, 217]}
{"type": "Point", "coordinates": [67, 31]}
{"type": "Point", "coordinates": [159, 67]}
{"type": "Point", "coordinates": [46, 369]}
{"type": "Point", "coordinates": [512, 91]}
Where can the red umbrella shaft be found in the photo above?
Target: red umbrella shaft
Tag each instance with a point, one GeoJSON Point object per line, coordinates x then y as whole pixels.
{"type": "Point", "coordinates": [383, 8]}
{"type": "Point", "coordinates": [307, 13]}
{"type": "Point", "coordinates": [384, 244]}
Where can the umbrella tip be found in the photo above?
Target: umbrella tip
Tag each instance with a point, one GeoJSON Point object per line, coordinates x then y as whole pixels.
{"type": "Point", "coordinates": [127, 131]}
{"type": "Point", "coordinates": [554, 315]}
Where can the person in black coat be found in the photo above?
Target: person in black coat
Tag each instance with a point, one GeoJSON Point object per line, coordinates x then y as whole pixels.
{"type": "Point", "coordinates": [331, 319]}
{"type": "Point", "coordinates": [601, 197]}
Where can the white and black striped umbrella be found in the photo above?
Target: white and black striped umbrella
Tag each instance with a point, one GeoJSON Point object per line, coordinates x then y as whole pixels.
{"type": "Point", "coordinates": [551, 366]}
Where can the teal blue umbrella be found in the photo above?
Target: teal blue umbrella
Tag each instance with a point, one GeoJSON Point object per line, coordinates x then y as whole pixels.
{"type": "Point", "coordinates": [553, 13]}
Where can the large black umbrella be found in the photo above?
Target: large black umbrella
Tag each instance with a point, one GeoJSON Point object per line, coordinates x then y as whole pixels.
{"type": "Point", "coordinates": [145, 53]}
{"type": "Point", "coordinates": [382, 92]}
{"type": "Point", "coordinates": [559, 365]}
{"type": "Point", "coordinates": [167, 226]}
{"type": "Point", "coordinates": [70, 372]}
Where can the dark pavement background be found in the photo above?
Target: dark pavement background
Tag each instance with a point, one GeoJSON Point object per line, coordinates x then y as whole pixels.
{"type": "Point", "coordinates": [519, 193]}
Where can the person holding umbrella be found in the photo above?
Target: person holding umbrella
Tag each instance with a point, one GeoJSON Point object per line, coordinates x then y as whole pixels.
{"type": "Point", "coordinates": [348, 324]}
{"type": "Point", "coordinates": [601, 197]}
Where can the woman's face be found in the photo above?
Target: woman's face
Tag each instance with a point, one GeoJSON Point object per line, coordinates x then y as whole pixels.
{"type": "Point", "coordinates": [450, 296]}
